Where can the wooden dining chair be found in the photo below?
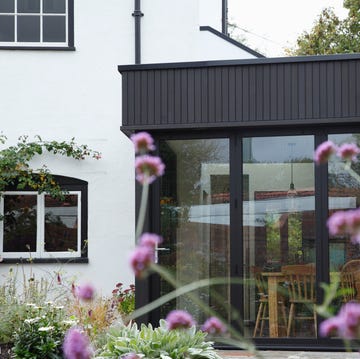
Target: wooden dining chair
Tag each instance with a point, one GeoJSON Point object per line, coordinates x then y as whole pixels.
{"type": "Point", "coordinates": [347, 285]}
{"type": "Point", "coordinates": [348, 280]}
{"type": "Point", "coordinates": [263, 299]}
{"type": "Point", "coordinates": [301, 287]}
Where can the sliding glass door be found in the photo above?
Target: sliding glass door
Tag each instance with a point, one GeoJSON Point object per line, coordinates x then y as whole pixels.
{"type": "Point", "coordinates": [266, 232]}
{"type": "Point", "coordinates": [279, 236]}
{"type": "Point", "coordinates": [195, 224]}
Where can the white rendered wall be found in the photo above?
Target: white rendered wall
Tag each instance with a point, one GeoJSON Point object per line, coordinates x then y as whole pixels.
{"type": "Point", "coordinates": [210, 13]}
{"type": "Point", "coordinates": [65, 94]}
{"type": "Point", "coordinates": [170, 32]}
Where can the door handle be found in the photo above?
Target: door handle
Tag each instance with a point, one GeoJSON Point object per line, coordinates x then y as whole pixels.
{"type": "Point", "coordinates": [157, 249]}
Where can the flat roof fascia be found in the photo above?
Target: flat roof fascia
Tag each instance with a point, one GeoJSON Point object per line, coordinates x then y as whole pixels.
{"type": "Point", "coordinates": [255, 61]}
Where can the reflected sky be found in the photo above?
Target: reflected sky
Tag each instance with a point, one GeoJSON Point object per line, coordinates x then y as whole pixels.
{"type": "Point", "coordinates": [279, 149]}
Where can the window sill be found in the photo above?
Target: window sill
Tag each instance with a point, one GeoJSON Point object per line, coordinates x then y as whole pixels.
{"type": "Point", "coordinates": [38, 48]}
{"type": "Point", "coordinates": [44, 260]}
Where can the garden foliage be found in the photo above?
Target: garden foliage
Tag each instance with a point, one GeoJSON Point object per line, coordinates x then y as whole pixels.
{"type": "Point", "coordinates": [160, 342]}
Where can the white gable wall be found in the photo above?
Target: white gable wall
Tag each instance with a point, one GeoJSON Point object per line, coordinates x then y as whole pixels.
{"type": "Point", "coordinates": [210, 13]}
{"type": "Point", "coordinates": [65, 94]}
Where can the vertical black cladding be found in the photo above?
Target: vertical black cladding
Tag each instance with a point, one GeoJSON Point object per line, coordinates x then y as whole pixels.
{"type": "Point", "coordinates": [247, 93]}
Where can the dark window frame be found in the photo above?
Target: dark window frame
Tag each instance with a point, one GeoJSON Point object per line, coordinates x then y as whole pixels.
{"type": "Point", "coordinates": [48, 46]}
{"type": "Point", "coordinates": [67, 184]}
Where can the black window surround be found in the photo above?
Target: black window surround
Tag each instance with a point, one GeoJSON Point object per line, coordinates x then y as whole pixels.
{"type": "Point", "coordinates": [45, 25]}
{"type": "Point", "coordinates": [315, 95]}
{"type": "Point", "coordinates": [73, 186]}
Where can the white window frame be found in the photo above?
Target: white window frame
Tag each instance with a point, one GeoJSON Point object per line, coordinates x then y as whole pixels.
{"type": "Point", "coordinates": [41, 43]}
{"type": "Point", "coordinates": [40, 234]}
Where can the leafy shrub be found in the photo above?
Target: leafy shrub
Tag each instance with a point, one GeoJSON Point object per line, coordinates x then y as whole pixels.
{"type": "Point", "coordinates": [157, 343]}
{"type": "Point", "coordinates": [41, 333]}
{"type": "Point", "coordinates": [15, 293]}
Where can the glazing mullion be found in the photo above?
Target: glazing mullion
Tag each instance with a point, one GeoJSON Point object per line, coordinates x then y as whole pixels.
{"type": "Point", "coordinates": [236, 243]}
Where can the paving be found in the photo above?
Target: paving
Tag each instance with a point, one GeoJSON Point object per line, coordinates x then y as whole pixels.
{"type": "Point", "coordinates": [273, 354]}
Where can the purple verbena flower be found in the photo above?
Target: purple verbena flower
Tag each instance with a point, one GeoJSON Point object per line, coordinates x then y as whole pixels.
{"type": "Point", "coordinates": [148, 168]}
{"type": "Point", "coordinates": [329, 327]}
{"type": "Point", "coordinates": [77, 345]}
{"type": "Point", "coordinates": [85, 292]}
{"type": "Point", "coordinates": [150, 239]}
{"type": "Point", "coordinates": [353, 222]}
{"type": "Point", "coordinates": [143, 142]}
{"type": "Point", "coordinates": [179, 319]}
{"type": "Point", "coordinates": [324, 151]}
{"type": "Point", "coordinates": [345, 324]}
{"type": "Point", "coordinates": [345, 222]}
{"type": "Point", "coordinates": [213, 326]}
{"type": "Point", "coordinates": [141, 258]}
{"type": "Point", "coordinates": [348, 151]}
{"type": "Point", "coordinates": [337, 223]}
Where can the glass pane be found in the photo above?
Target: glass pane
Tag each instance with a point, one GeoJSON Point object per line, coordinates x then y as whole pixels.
{"type": "Point", "coordinates": [279, 236]}
{"type": "Point", "coordinates": [61, 224]}
{"type": "Point", "coordinates": [28, 6]}
{"type": "Point", "coordinates": [20, 214]}
{"type": "Point", "coordinates": [28, 28]}
{"type": "Point", "coordinates": [7, 6]}
{"type": "Point", "coordinates": [344, 194]}
{"type": "Point", "coordinates": [54, 6]}
{"type": "Point", "coordinates": [7, 28]}
{"type": "Point", "coordinates": [195, 220]}
{"type": "Point", "coordinates": [54, 29]}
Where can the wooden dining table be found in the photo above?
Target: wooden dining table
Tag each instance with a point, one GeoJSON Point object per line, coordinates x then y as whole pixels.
{"type": "Point", "coordinates": [273, 280]}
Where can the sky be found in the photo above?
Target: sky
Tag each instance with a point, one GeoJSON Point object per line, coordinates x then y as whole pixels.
{"type": "Point", "coordinates": [272, 25]}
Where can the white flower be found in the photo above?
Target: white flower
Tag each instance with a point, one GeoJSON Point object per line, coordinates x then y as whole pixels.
{"type": "Point", "coordinates": [32, 320]}
{"type": "Point", "coordinates": [59, 307]}
{"type": "Point", "coordinates": [69, 322]}
{"type": "Point", "coordinates": [31, 305]}
{"type": "Point", "coordinates": [50, 302]}
{"type": "Point", "coordinates": [45, 329]}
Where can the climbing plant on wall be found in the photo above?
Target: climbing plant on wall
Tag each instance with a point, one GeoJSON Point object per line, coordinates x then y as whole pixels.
{"type": "Point", "coordinates": [17, 173]}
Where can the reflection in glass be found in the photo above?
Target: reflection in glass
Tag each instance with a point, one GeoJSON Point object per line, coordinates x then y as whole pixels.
{"type": "Point", "coordinates": [344, 194]}
{"type": "Point", "coordinates": [54, 29]}
{"type": "Point", "coordinates": [61, 224]}
{"type": "Point", "coordinates": [7, 29]}
{"type": "Point", "coordinates": [278, 234]}
{"type": "Point", "coordinates": [28, 28]}
{"type": "Point", "coordinates": [54, 6]}
{"type": "Point", "coordinates": [195, 220]}
{"type": "Point", "coordinates": [28, 6]}
{"type": "Point", "coordinates": [7, 6]}
{"type": "Point", "coordinates": [20, 212]}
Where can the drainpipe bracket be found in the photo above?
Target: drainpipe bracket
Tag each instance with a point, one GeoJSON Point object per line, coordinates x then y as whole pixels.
{"type": "Point", "coordinates": [137, 13]}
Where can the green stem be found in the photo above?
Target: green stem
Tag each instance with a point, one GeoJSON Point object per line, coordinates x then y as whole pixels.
{"type": "Point", "coordinates": [178, 292]}
{"type": "Point", "coordinates": [244, 342]}
{"type": "Point", "coordinates": [142, 211]}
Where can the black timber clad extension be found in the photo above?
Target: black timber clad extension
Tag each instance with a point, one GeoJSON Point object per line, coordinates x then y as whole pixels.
{"type": "Point", "coordinates": [281, 91]}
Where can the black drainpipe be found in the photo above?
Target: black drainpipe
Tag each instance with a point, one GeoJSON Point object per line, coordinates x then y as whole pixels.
{"type": "Point", "coordinates": [137, 15]}
{"type": "Point", "coordinates": [224, 17]}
